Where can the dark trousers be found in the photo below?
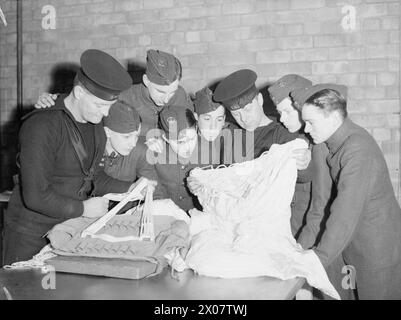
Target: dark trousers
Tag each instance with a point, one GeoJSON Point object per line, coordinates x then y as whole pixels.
{"type": "Point", "coordinates": [19, 246]}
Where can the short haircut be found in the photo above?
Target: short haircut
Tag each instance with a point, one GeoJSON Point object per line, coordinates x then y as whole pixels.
{"type": "Point", "coordinates": [329, 100]}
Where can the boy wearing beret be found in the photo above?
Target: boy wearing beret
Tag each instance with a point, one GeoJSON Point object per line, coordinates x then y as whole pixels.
{"type": "Point", "coordinates": [60, 149]}
{"type": "Point", "coordinates": [364, 224]}
{"type": "Point", "coordinates": [125, 153]}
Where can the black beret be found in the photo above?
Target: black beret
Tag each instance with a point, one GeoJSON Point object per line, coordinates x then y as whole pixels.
{"type": "Point", "coordinates": [299, 96]}
{"type": "Point", "coordinates": [282, 87]}
{"type": "Point", "coordinates": [162, 68]}
{"type": "Point", "coordinates": [237, 89]}
{"type": "Point", "coordinates": [122, 118]}
{"type": "Point", "coordinates": [175, 118]}
{"type": "Point", "coordinates": [203, 102]}
{"type": "Point", "coordinates": [102, 75]}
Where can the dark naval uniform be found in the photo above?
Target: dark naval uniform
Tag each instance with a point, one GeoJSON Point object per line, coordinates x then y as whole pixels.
{"type": "Point", "coordinates": [173, 171]}
{"type": "Point", "coordinates": [59, 162]}
{"type": "Point", "coordinates": [365, 220]}
{"type": "Point", "coordinates": [238, 90]}
{"type": "Point", "coordinates": [130, 167]}
{"type": "Point", "coordinates": [54, 181]}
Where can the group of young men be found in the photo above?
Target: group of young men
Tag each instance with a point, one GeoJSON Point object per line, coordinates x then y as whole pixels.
{"type": "Point", "coordinates": [106, 133]}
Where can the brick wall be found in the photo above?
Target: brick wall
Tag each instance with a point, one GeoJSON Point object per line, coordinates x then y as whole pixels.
{"type": "Point", "coordinates": [318, 39]}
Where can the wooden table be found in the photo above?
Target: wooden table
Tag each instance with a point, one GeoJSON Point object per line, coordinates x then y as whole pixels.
{"type": "Point", "coordinates": [27, 284]}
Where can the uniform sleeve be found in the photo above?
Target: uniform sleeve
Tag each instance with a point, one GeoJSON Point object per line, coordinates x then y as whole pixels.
{"type": "Point", "coordinates": [39, 141]}
{"type": "Point", "coordinates": [353, 186]}
{"type": "Point", "coordinates": [104, 184]}
{"type": "Point", "coordinates": [321, 194]}
{"type": "Point", "coordinates": [144, 168]}
{"type": "Point", "coordinates": [284, 136]}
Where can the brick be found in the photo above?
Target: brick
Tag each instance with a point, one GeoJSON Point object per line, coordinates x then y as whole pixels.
{"type": "Point", "coordinates": [375, 93]}
{"type": "Point", "coordinates": [371, 24]}
{"type": "Point", "coordinates": [327, 78]}
{"type": "Point", "coordinates": [105, 7]}
{"type": "Point", "coordinates": [303, 68]}
{"type": "Point", "coordinates": [323, 15]}
{"type": "Point", "coordinates": [192, 48]}
{"type": "Point", "coordinates": [376, 65]}
{"type": "Point", "coordinates": [144, 40]}
{"type": "Point", "coordinates": [203, 60]}
{"type": "Point", "coordinates": [350, 79]}
{"type": "Point", "coordinates": [395, 36]}
{"type": "Point", "coordinates": [383, 106]}
{"type": "Point", "coordinates": [328, 67]}
{"type": "Point", "coordinates": [387, 78]}
{"type": "Point", "coordinates": [372, 10]}
{"type": "Point", "coordinates": [382, 134]}
{"type": "Point", "coordinates": [193, 24]}
{"type": "Point", "coordinates": [367, 79]}
{"type": "Point", "coordinates": [175, 13]}
{"type": "Point", "coordinates": [235, 58]}
{"type": "Point", "coordinates": [383, 51]}
{"type": "Point", "coordinates": [160, 26]}
{"type": "Point", "coordinates": [159, 39]}
{"type": "Point", "coordinates": [276, 56]}
{"type": "Point", "coordinates": [128, 29]}
{"type": "Point", "coordinates": [202, 11]}
{"type": "Point", "coordinates": [393, 92]}
{"type": "Point", "coordinates": [390, 23]}
{"type": "Point", "coordinates": [295, 42]}
{"type": "Point", "coordinates": [393, 65]}
{"type": "Point", "coordinates": [259, 44]}
{"type": "Point", "coordinates": [347, 53]}
{"type": "Point", "coordinates": [277, 30]}
{"type": "Point", "coordinates": [177, 37]}
{"type": "Point", "coordinates": [158, 4]}
{"type": "Point", "coordinates": [233, 34]}
{"type": "Point", "coordinates": [272, 5]}
{"type": "Point", "coordinates": [189, 3]}
{"type": "Point", "coordinates": [144, 16]}
{"type": "Point", "coordinates": [70, 11]}
{"type": "Point", "coordinates": [192, 36]}
{"type": "Point", "coordinates": [257, 19]}
{"type": "Point", "coordinates": [228, 46]}
{"type": "Point", "coordinates": [290, 16]}
{"type": "Point", "coordinates": [238, 7]}
{"type": "Point", "coordinates": [128, 5]}
{"type": "Point", "coordinates": [393, 8]}
{"type": "Point", "coordinates": [307, 4]}
{"type": "Point", "coordinates": [375, 37]}
{"type": "Point", "coordinates": [112, 19]}
{"type": "Point", "coordinates": [329, 41]}
{"type": "Point", "coordinates": [294, 29]}
{"type": "Point", "coordinates": [208, 36]}
{"type": "Point", "coordinates": [223, 22]}
{"type": "Point", "coordinates": [310, 54]}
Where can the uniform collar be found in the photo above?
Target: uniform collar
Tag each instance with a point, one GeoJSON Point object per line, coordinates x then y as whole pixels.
{"type": "Point", "coordinates": [147, 99]}
{"type": "Point", "coordinates": [339, 136]}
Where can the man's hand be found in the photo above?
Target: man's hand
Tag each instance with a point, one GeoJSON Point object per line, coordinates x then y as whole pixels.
{"type": "Point", "coordinates": [155, 145]}
{"type": "Point", "coordinates": [45, 100]}
{"type": "Point", "coordinates": [95, 207]}
{"type": "Point", "coordinates": [193, 184]}
{"type": "Point", "coordinates": [302, 157]}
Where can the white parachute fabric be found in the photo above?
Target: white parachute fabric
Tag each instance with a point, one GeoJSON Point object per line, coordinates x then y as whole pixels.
{"type": "Point", "coordinates": [244, 230]}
